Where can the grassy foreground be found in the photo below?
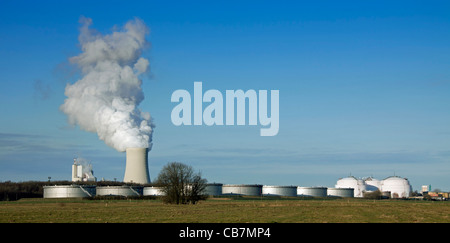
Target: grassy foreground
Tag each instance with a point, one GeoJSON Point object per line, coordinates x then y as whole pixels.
{"type": "Point", "coordinates": [224, 210]}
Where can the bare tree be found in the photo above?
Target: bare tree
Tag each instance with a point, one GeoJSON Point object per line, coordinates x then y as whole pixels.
{"type": "Point", "coordinates": [180, 184]}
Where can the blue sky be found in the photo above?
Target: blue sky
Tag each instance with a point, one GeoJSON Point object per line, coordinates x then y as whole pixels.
{"type": "Point", "coordinates": [364, 88]}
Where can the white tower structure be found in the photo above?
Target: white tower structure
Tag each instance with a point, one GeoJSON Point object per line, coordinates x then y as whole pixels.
{"type": "Point", "coordinates": [76, 171]}
{"type": "Point", "coordinates": [82, 171]}
{"type": "Point", "coordinates": [136, 170]}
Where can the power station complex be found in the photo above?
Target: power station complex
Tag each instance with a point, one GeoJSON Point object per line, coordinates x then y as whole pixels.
{"type": "Point", "coordinates": [136, 172]}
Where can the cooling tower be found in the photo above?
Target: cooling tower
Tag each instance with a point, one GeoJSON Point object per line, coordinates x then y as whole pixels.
{"type": "Point", "coordinates": [136, 170]}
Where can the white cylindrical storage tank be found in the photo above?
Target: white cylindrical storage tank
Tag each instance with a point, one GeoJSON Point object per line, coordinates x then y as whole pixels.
{"type": "Point", "coordinates": [126, 191]}
{"type": "Point", "coordinates": [399, 187]}
{"type": "Point", "coordinates": [312, 191]}
{"type": "Point", "coordinates": [372, 184]}
{"type": "Point", "coordinates": [351, 182]}
{"type": "Point", "coordinates": [69, 191]}
{"type": "Point", "coordinates": [136, 170]}
{"type": "Point", "coordinates": [153, 191]}
{"type": "Point", "coordinates": [246, 190]}
{"type": "Point", "coordinates": [213, 189]}
{"type": "Point", "coordinates": [340, 192]}
{"type": "Point", "coordinates": [285, 191]}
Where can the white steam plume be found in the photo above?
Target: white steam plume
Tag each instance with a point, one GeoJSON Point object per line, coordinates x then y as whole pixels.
{"type": "Point", "coordinates": [106, 99]}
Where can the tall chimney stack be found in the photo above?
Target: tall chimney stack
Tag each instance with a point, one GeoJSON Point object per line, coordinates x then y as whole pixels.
{"type": "Point", "coordinates": [136, 170]}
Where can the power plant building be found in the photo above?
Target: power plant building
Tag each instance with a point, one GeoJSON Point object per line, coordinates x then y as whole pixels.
{"type": "Point", "coordinates": [82, 172]}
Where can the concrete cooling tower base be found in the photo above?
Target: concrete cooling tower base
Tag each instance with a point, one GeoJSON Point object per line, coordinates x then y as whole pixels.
{"type": "Point", "coordinates": [136, 170]}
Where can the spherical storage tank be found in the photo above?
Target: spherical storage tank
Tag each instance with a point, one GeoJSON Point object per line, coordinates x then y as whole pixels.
{"type": "Point", "coordinates": [69, 191]}
{"type": "Point", "coordinates": [286, 191]}
{"type": "Point", "coordinates": [358, 185]}
{"type": "Point", "coordinates": [312, 191]}
{"type": "Point", "coordinates": [125, 191]}
{"type": "Point", "coordinates": [340, 192]}
{"type": "Point", "coordinates": [399, 187]}
{"type": "Point", "coordinates": [247, 190]}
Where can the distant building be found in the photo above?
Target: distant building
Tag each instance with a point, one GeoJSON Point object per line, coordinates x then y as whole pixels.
{"type": "Point", "coordinates": [426, 188]}
{"type": "Point", "coordinates": [82, 172]}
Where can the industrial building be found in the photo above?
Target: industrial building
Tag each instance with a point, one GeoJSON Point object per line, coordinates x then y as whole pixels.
{"type": "Point", "coordinates": [82, 172]}
{"type": "Point", "coordinates": [137, 172]}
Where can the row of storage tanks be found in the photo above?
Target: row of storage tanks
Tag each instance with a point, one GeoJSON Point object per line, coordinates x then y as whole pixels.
{"type": "Point", "coordinates": [215, 189]}
{"type": "Point", "coordinates": [393, 187]}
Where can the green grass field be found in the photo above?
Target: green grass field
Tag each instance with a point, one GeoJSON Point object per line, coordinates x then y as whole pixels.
{"type": "Point", "coordinates": [224, 210]}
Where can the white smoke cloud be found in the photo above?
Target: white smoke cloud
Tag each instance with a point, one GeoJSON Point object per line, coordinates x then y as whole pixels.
{"type": "Point", "coordinates": [106, 99]}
